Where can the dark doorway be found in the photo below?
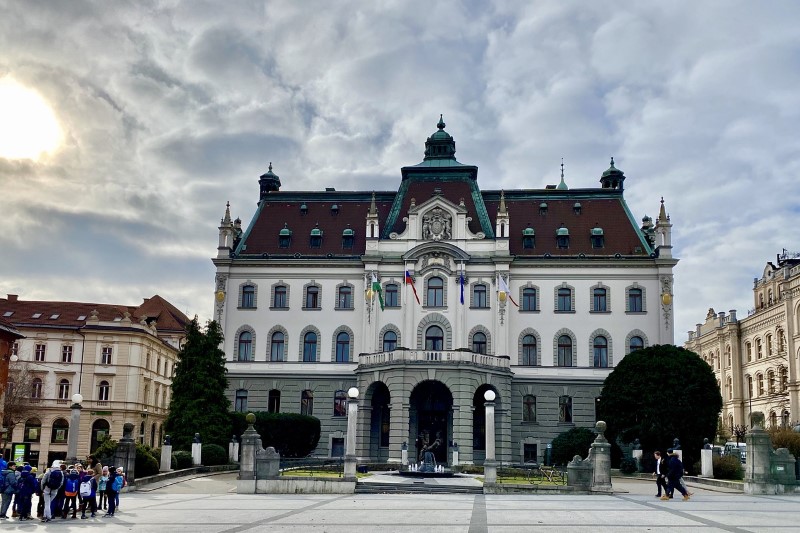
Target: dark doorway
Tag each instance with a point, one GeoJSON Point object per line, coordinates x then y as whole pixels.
{"type": "Point", "coordinates": [430, 420]}
{"type": "Point", "coordinates": [379, 422]}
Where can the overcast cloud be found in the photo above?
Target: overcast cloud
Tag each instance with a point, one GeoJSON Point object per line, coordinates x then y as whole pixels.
{"type": "Point", "coordinates": [169, 109]}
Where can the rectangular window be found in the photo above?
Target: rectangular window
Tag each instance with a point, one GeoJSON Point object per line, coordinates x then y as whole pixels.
{"type": "Point", "coordinates": [248, 296]}
{"type": "Point", "coordinates": [528, 299]}
{"type": "Point", "coordinates": [599, 300]}
{"type": "Point", "coordinates": [390, 296]}
{"type": "Point", "coordinates": [307, 403]}
{"type": "Point", "coordinates": [529, 408]}
{"type": "Point", "coordinates": [530, 453]}
{"type": "Point", "coordinates": [340, 403]}
{"type": "Point", "coordinates": [15, 349]}
{"type": "Point", "coordinates": [106, 356]}
{"type": "Point", "coordinates": [565, 409]}
{"type": "Point", "coordinates": [564, 300]}
{"type": "Point", "coordinates": [280, 301]}
{"type": "Point", "coordinates": [66, 353]}
{"type": "Point", "coordinates": [274, 401]}
{"type": "Point", "coordinates": [345, 298]}
{"type": "Point", "coordinates": [635, 301]}
{"type": "Point", "coordinates": [312, 298]}
{"type": "Point", "coordinates": [39, 352]}
{"type": "Point", "coordinates": [240, 405]}
{"type": "Point", "coordinates": [479, 296]}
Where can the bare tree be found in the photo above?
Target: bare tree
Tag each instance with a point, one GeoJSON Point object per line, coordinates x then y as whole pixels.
{"type": "Point", "coordinates": [739, 431]}
{"type": "Point", "coordinates": [18, 406]}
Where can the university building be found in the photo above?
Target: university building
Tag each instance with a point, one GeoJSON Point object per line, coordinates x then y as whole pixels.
{"type": "Point", "coordinates": [755, 358]}
{"type": "Point", "coordinates": [120, 358]}
{"type": "Point", "coordinates": [426, 296]}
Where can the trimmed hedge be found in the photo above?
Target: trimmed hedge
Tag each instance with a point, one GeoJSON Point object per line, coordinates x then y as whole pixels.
{"type": "Point", "coordinates": [291, 434]}
{"type": "Point", "coordinates": [727, 467]}
{"type": "Point", "coordinates": [213, 454]}
{"type": "Point", "coordinates": [567, 445]}
{"type": "Point", "coordinates": [181, 459]}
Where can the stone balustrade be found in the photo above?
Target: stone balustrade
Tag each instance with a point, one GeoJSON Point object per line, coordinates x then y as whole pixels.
{"type": "Point", "coordinates": [400, 357]}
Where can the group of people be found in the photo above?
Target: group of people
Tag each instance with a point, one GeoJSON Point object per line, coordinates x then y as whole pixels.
{"type": "Point", "coordinates": [62, 489]}
{"type": "Point", "coordinates": [669, 475]}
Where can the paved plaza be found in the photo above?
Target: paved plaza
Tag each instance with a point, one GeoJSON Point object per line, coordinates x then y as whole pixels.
{"type": "Point", "coordinates": [211, 504]}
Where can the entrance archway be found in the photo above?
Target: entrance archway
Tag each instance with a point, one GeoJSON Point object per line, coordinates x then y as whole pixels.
{"type": "Point", "coordinates": [430, 420]}
{"type": "Point", "coordinates": [379, 398]}
{"type": "Point", "coordinates": [100, 429]}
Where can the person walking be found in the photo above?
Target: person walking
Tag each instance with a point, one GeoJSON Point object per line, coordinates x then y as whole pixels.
{"type": "Point", "coordinates": [674, 475]}
{"type": "Point", "coordinates": [58, 498]}
{"type": "Point", "coordinates": [101, 489]}
{"type": "Point", "coordinates": [9, 485]}
{"type": "Point", "coordinates": [52, 481]}
{"type": "Point", "coordinates": [113, 485]}
{"type": "Point", "coordinates": [660, 473]}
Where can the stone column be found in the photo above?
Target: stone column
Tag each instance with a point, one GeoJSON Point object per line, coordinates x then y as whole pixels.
{"type": "Point", "coordinates": [398, 425]}
{"type": "Point", "coordinates": [404, 454]}
{"type": "Point", "coordinates": [251, 444]}
{"type": "Point", "coordinates": [759, 450]}
{"type": "Point", "coordinates": [197, 447]}
{"type": "Point", "coordinates": [166, 455]}
{"type": "Point", "coordinates": [352, 422]}
{"type": "Point", "coordinates": [601, 456]}
{"type": "Point", "coordinates": [490, 465]}
{"type": "Point", "coordinates": [125, 455]}
{"type": "Point", "coordinates": [706, 460]}
{"type": "Point", "coordinates": [462, 427]}
{"type": "Point", "coordinates": [74, 429]}
{"type": "Point", "coordinates": [455, 456]}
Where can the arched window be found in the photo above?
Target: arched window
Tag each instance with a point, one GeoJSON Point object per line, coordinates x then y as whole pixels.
{"type": "Point", "coordinates": [435, 292]}
{"type": "Point", "coordinates": [564, 351]}
{"type": "Point", "coordinates": [310, 347]}
{"type": "Point", "coordinates": [636, 343]}
{"type": "Point", "coordinates": [274, 401]}
{"type": "Point", "coordinates": [389, 341]}
{"type": "Point", "coordinates": [785, 419]}
{"type": "Point", "coordinates": [434, 338]}
{"type": "Point", "coordinates": [600, 352]}
{"type": "Point", "coordinates": [245, 352]}
{"type": "Point", "coordinates": [103, 391]}
{"type": "Point", "coordinates": [60, 431]}
{"type": "Point", "coordinates": [277, 347]}
{"type": "Point", "coordinates": [749, 386]}
{"type": "Point", "coordinates": [36, 389]}
{"type": "Point", "coordinates": [729, 386]}
{"type": "Point", "coordinates": [760, 379]}
{"type": "Point", "coordinates": [565, 409]}
{"type": "Point", "coordinates": [100, 430]}
{"type": "Point", "coordinates": [529, 350]}
{"type": "Point", "coordinates": [63, 389]}
{"type": "Point", "coordinates": [771, 381]}
{"type": "Point", "coordinates": [529, 299]}
{"type": "Point", "coordinates": [33, 430]}
{"type": "Point", "coordinates": [240, 402]}
{"type": "Point", "coordinates": [479, 343]}
{"type": "Point", "coordinates": [529, 408]}
{"type": "Point", "coordinates": [773, 419]}
{"type": "Point", "coordinates": [342, 348]}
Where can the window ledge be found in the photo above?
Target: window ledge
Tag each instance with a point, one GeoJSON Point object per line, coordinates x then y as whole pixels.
{"type": "Point", "coordinates": [635, 312]}
{"type": "Point", "coordinates": [279, 309]}
{"type": "Point", "coordinates": [344, 309]}
{"type": "Point", "coordinates": [528, 311]}
{"type": "Point", "coordinates": [312, 309]}
{"type": "Point", "coordinates": [247, 308]}
{"type": "Point", "coordinates": [567, 312]}
{"type": "Point", "coordinates": [487, 308]}
{"type": "Point", "coordinates": [600, 312]}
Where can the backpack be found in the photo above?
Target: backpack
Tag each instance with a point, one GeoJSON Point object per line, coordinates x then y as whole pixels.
{"type": "Point", "coordinates": [116, 486]}
{"type": "Point", "coordinates": [55, 479]}
{"type": "Point", "coordinates": [86, 488]}
{"type": "Point", "coordinates": [3, 483]}
{"type": "Point", "coordinates": [71, 487]}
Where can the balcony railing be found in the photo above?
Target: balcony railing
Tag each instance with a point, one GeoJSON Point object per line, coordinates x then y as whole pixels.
{"type": "Point", "coordinates": [432, 356]}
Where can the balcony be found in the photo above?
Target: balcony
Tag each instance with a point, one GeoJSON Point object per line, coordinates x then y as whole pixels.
{"type": "Point", "coordinates": [448, 357]}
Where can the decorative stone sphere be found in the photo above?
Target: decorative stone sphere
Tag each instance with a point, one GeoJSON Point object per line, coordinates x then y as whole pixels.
{"type": "Point", "coordinates": [489, 395]}
{"type": "Point", "coordinates": [352, 393]}
{"type": "Point", "coordinates": [600, 426]}
{"type": "Point", "coordinates": [250, 418]}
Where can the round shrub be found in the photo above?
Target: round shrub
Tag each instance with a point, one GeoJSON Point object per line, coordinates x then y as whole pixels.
{"type": "Point", "coordinates": [728, 467]}
{"type": "Point", "coordinates": [628, 465]}
{"type": "Point", "coordinates": [105, 452]}
{"type": "Point", "coordinates": [181, 459]}
{"type": "Point", "coordinates": [146, 465]}
{"type": "Point", "coordinates": [213, 454]}
{"type": "Point", "coordinates": [567, 445]}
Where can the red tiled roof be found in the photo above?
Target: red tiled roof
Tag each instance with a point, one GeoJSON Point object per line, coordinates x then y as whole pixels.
{"type": "Point", "coordinates": [74, 314]}
{"type": "Point", "coordinates": [609, 213]}
{"type": "Point", "coordinates": [279, 208]}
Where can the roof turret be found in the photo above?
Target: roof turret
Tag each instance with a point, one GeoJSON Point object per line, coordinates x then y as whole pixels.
{"type": "Point", "coordinates": [440, 145]}
{"type": "Point", "coordinates": [268, 182]}
{"type": "Point", "coordinates": [612, 178]}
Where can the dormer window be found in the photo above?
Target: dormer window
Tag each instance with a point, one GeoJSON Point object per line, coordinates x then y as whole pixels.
{"type": "Point", "coordinates": [528, 238]}
{"type": "Point", "coordinates": [335, 209]}
{"type": "Point", "coordinates": [543, 208]}
{"type": "Point", "coordinates": [577, 208]}
{"type": "Point", "coordinates": [348, 237]}
{"type": "Point", "coordinates": [598, 240]}
{"type": "Point", "coordinates": [315, 239]}
{"type": "Point", "coordinates": [303, 209]}
{"type": "Point", "coordinates": [285, 237]}
{"type": "Point", "coordinates": [562, 237]}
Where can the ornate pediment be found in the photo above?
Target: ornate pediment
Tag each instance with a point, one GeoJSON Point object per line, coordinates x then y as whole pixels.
{"type": "Point", "coordinates": [437, 225]}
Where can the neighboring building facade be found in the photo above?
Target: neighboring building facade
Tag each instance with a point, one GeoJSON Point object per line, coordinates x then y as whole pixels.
{"type": "Point", "coordinates": [403, 295]}
{"type": "Point", "coordinates": [755, 358]}
{"type": "Point", "coordinates": [120, 358]}
{"type": "Point", "coordinates": [8, 336]}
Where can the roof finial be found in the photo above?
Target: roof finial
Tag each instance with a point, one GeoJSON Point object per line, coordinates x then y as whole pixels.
{"type": "Point", "coordinates": [612, 160]}
{"type": "Point", "coordinates": [562, 169]}
{"type": "Point", "coordinates": [373, 209]}
{"type": "Point", "coordinates": [270, 166]}
{"type": "Point", "coordinates": [441, 123]}
{"type": "Point", "coordinates": [502, 208]}
{"type": "Point", "coordinates": [662, 214]}
{"type": "Point", "coordinates": [227, 219]}
{"type": "Point", "coordinates": [563, 185]}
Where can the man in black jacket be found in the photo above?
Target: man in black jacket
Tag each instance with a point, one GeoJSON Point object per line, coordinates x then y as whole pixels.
{"type": "Point", "coordinates": [661, 473]}
{"type": "Point", "coordinates": [674, 475]}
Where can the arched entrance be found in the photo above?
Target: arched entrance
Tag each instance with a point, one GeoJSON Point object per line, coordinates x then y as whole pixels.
{"type": "Point", "coordinates": [379, 398]}
{"type": "Point", "coordinates": [479, 421]}
{"type": "Point", "coordinates": [430, 420]}
{"type": "Point", "coordinates": [100, 429]}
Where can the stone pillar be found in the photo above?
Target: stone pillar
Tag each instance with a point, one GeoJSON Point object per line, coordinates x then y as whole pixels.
{"type": "Point", "coordinates": [759, 450]}
{"type": "Point", "coordinates": [251, 445]}
{"type": "Point", "coordinates": [707, 463]}
{"type": "Point", "coordinates": [404, 456]}
{"type": "Point", "coordinates": [233, 450]}
{"type": "Point", "coordinates": [197, 447]}
{"type": "Point", "coordinates": [74, 429]}
{"type": "Point", "coordinates": [490, 464]}
{"type": "Point", "coordinates": [125, 455]}
{"type": "Point", "coordinates": [352, 422]}
{"type": "Point", "coordinates": [398, 425]}
{"type": "Point", "coordinates": [462, 427]}
{"type": "Point", "coordinates": [166, 455]}
{"type": "Point", "coordinates": [455, 455]}
{"type": "Point", "coordinates": [601, 457]}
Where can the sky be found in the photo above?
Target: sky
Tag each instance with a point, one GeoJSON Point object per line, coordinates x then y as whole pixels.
{"type": "Point", "coordinates": [149, 116]}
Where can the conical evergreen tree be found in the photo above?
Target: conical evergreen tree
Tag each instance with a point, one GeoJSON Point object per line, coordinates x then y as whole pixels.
{"type": "Point", "coordinates": [198, 403]}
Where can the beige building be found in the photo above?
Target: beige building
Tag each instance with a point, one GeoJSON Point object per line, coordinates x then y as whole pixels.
{"type": "Point", "coordinates": [121, 359]}
{"type": "Point", "coordinates": [755, 358]}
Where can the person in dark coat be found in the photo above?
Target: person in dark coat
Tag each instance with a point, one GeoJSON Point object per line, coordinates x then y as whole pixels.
{"type": "Point", "coordinates": [10, 484]}
{"type": "Point", "coordinates": [674, 475]}
{"type": "Point", "coordinates": [661, 473]}
{"type": "Point", "coordinates": [26, 487]}
{"type": "Point", "coordinates": [111, 493]}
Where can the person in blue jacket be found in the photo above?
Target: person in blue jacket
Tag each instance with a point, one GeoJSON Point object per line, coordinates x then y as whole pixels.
{"type": "Point", "coordinates": [26, 487]}
{"type": "Point", "coordinates": [9, 486]}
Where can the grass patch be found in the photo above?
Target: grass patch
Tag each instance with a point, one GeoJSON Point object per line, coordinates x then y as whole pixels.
{"type": "Point", "coordinates": [319, 474]}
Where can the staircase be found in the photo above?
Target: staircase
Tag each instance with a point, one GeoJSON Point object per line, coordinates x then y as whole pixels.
{"type": "Point", "coordinates": [414, 488]}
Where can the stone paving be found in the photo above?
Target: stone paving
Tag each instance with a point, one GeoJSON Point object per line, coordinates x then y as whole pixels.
{"type": "Point", "coordinates": [211, 504]}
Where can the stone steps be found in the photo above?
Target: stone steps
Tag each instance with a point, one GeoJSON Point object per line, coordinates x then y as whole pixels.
{"type": "Point", "coordinates": [414, 488]}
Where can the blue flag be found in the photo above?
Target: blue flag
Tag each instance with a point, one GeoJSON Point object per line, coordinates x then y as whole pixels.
{"type": "Point", "coordinates": [461, 280]}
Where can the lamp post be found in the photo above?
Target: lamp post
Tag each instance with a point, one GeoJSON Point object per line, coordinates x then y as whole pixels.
{"type": "Point", "coordinates": [74, 428]}
{"type": "Point", "coordinates": [352, 418]}
{"type": "Point", "coordinates": [489, 464]}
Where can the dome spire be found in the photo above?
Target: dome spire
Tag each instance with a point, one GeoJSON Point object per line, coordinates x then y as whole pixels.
{"type": "Point", "coordinates": [440, 145]}
{"type": "Point", "coordinates": [612, 178]}
{"type": "Point", "coordinates": [563, 185]}
{"type": "Point", "coordinates": [268, 182]}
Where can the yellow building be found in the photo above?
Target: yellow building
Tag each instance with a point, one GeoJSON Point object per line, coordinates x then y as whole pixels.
{"type": "Point", "coordinates": [121, 359]}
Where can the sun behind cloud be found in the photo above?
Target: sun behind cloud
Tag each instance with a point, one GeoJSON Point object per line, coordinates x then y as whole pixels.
{"type": "Point", "coordinates": [28, 126]}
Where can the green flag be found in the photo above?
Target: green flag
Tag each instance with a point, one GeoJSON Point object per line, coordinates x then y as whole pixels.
{"type": "Point", "coordinates": [376, 287]}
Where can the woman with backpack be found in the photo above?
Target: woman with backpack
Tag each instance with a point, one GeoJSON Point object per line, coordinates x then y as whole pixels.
{"type": "Point", "coordinates": [102, 480]}
{"type": "Point", "coordinates": [71, 488]}
{"type": "Point", "coordinates": [88, 492]}
{"type": "Point", "coordinates": [52, 481]}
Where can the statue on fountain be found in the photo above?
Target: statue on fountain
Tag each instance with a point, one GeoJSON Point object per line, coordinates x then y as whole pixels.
{"type": "Point", "coordinates": [426, 457]}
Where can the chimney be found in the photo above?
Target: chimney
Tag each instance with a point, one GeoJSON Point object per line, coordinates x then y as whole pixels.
{"type": "Point", "coordinates": [12, 298]}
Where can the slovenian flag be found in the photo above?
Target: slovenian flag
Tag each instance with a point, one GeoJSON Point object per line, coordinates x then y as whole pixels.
{"type": "Point", "coordinates": [410, 281]}
{"type": "Point", "coordinates": [504, 288]}
{"type": "Point", "coordinates": [376, 287]}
